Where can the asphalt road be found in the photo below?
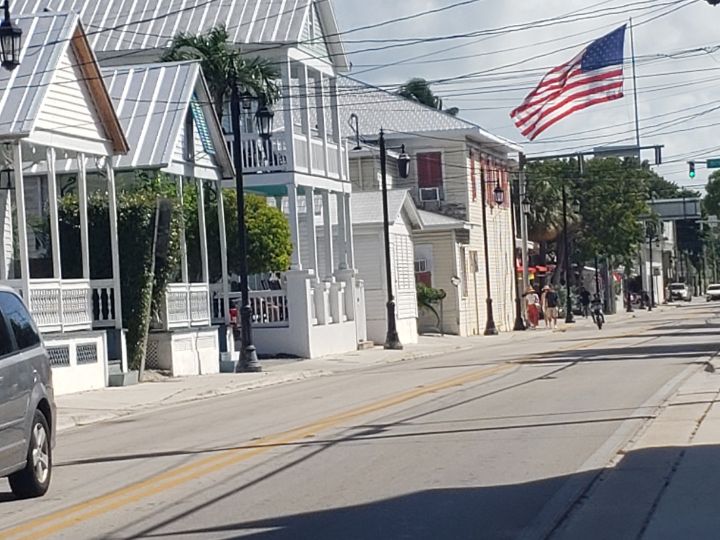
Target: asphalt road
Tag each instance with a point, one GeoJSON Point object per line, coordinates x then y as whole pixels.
{"type": "Point", "coordinates": [495, 442]}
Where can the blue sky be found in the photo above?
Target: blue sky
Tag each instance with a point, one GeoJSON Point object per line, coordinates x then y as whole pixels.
{"type": "Point", "coordinates": [677, 66]}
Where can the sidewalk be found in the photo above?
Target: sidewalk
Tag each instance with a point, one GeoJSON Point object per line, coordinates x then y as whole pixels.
{"type": "Point", "coordinates": [665, 483]}
{"type": "Point", "coordinates": [108, 403]}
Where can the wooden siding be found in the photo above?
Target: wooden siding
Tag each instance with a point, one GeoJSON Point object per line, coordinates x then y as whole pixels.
{"type": "Point", "coordinates": [68, 108]}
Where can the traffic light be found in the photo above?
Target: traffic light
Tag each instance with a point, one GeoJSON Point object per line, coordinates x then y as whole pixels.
{"type": "Point", "coordinates": [691, 173]}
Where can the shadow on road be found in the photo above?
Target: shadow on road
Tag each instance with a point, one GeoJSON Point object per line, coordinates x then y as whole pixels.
{"type": "Point", "coordinates": [620, 508]}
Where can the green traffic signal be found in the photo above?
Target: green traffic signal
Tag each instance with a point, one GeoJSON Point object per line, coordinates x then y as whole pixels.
{"type": "Point", "coordinates": [691, 173]}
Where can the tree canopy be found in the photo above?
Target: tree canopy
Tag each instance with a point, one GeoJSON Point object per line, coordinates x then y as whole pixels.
{"type": "Point", "coordinates": [223, 65]}
{"type": "Point", "coordinates": [418, 89]}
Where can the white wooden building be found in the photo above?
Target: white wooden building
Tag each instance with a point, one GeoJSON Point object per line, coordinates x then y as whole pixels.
{"type": "Point", "coordinates": [449, 158]}
{"type": "Point", "coordinates": [54, 108]}
{"type": "Point", "coordinates": [303, 167]}
{"type": "Point", "coordinates": [166, 112]}
{"type": "Point", "coordinates": [367, 216]}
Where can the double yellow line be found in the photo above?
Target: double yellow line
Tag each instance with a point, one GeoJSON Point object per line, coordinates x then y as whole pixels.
{"type": "Point", "coordinates": [78, 514]}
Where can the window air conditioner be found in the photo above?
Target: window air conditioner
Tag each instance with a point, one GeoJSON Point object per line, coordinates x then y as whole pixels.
{"type": "Point", "coordinates": [429, 194]}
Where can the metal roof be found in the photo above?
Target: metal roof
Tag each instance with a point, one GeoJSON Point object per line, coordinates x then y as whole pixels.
{"type": "Point", "coordinates": [377, 108]}
{"type": "Point", "coordinates": [367, 207]}
{"type": "Point", "coordinates": [132, 25]}
{"type": "Point", "coordinates": [23, 90]}
{"type": "Point", "coordinates": [152, 101]}
{"type": "Point", "coordinates": [434, 221]}
{"type": "Point", "coordinates": [46, 38]}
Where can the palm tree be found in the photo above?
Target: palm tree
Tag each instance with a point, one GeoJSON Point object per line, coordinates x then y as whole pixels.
{"type": "Point", "coordinates": [419, 90]}
{"type": "Point", "coordinates": [222, 62]}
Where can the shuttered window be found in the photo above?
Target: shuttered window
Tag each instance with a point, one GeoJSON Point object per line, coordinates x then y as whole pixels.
{"type": "Point", "coordinates": [429, 169]}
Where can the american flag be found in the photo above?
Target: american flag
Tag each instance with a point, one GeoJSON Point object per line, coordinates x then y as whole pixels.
{"type": "Point", "coordinates": [593, 76]}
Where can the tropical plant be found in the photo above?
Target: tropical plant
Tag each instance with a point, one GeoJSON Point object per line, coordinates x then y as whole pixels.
{"type": "Point", "coordinates": [223, 65]}
{"type": "Point", "coordinates": [268, 231]}
{"type": "Point", "coordinates": [428, 298]}
{"type": "Point", "coordinates": [136, 204]}
{"type": "Point", "coordinates": [418, 89]}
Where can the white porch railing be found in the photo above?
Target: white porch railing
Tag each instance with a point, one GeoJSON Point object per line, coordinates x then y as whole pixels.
{"type": "Point", "coordinates": [269, 308]}
{"type": "Point", "coordinates": [60, 305]}
{"type": "Point", "coordinates": [265, 156]}
{"type": "Point", "coordinates": [186, 304]}
{"type": "Point", "coordinates": [103, 303]}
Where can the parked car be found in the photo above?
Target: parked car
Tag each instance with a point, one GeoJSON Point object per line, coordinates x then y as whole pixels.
{"type": "Point", "coordinates": [27, 405]}
{"type": "Point", "coordinates": [713, 292]}
{"type": "Point", "coordinates": [680, 291]}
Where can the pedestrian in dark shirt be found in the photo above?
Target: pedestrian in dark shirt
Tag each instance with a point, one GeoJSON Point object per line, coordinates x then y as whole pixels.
{"type": "Point", "coordinates": [585, 301]}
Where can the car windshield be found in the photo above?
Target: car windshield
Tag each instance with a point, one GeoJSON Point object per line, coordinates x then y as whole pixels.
{"type": "Point", "coordinates": [677, 286]}
{"type": "Point", "coordinates": [714, 288]}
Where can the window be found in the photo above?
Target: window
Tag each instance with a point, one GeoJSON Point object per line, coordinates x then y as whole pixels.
{"type": "Point", "coordinates": [421, 266]}
{"type": "Point", "coordinates": [189, 138]}
{"type": "Point", "coordinates": [429, 170]}
{"type": "Point", "coordinates": [20, 321]}
{"type": "Point", "coordinates": [5, 344]}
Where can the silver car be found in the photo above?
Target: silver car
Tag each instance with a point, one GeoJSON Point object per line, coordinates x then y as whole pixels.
{"type": "Point", "coordinates": [27, 407]}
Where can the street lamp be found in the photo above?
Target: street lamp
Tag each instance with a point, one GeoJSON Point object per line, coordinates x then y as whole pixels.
{"type": "Point", "coordinates": [499, 196]}
{"type": "Point", "coordinates": [10, 41]}
{"type": "Point", "coordinates": [519, 323]}
{"type": "Point", "coordinates": [264, 122]}
{"type": "Point", "coordinates": [568, 300]}
{"type": "Point", "coordinates": [392, 339]}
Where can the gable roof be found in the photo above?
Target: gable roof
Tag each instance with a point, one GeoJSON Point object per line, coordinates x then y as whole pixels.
{"type": "Point", "coordinates": [151, 24]}
{"type": "Point", "coordinates": [152, 101]}
{"type": "Point", "coordinates": [46, 38]}
{"type": "Point", "coordinates": [367, 208]}
{"type": "Point", "coordinates": [377, 108]}
{"type": "Point", "coordinates": [432, 221]}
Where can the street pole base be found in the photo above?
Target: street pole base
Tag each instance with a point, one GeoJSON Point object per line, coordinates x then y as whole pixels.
{"type": "Point", "coordinates": [569, 319]}
{"type": "Point", "coordinates": [248, 361]}
{"type": "Point", "coordinates": [519, 325]}
{"type": "Point", "coordinates": [490, 330]}
{"type": "Point", "coordinates": [392, 343]}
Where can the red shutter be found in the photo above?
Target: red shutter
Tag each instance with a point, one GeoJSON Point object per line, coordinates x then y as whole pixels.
{"type": "Point", "coordinates": [429, 166]}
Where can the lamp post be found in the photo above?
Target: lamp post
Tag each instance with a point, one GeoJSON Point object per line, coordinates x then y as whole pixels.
{"type": "Point", "coordinates": [264, 122]}
{"type": "Point", "coordinates": [392, 339]}
{"type": "Point", "coordinates": [499, 196]}
{"type": "Point", "coordinates": [10, 41]}
{"type": "Point", "coordinates": [519, 323]}
{"type": "Point", "coordinates": [568, 301]}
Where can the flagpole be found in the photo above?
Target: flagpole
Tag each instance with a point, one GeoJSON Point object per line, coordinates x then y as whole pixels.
{"type": "Point", "coordinates": [637, 118]}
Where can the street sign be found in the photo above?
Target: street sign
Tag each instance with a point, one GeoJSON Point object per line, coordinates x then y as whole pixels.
{"type": "Point", "coordinates": [713, 163]}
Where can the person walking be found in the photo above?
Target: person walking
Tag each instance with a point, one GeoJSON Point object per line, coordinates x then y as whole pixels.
{"type": "Point", "coordinates": [532, 308]}
{"type": "Point", "coordinates": [585, 301]}
{"type": "Point", "coordinates": [550, 305]}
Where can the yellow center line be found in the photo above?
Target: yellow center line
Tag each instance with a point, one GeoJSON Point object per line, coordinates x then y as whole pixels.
{"type": "Point", "coordinates": [80, 513]}
{"type": "Point", "coordinates": [77, 514]}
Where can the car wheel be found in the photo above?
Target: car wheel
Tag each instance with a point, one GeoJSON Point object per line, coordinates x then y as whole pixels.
{"type": "Point", "coordinates": [34, 479]}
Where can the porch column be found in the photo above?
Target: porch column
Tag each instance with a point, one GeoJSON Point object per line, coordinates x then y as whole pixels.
{"type": "Point", "coordinates": [286, 75]}
{"type": "Point", "coordinates": [114, 241]}
{"type": "Point", "coordinates": [337, 139]}
{"type": "Point", "coordinates": [310, 204]}
{"type": "Point", "coordinates": [84, 234]}
{"type": "Point", "coordinates": [350, 236]}
{"type": "Point", "coordinates": [22, 222]}
{"type": "Point", "coordinates": [54, 221]}
{"type": "Point", "coordinates": [296, 263]}
{"type": "Point", "coordinates": [203, 231]}
{"type": "Point", "coordinates": [322, 120]}
{"type": "Point", "coordinates": [328, 236]}
{"type": "Point", "coordinates": [6, 234]}
{"type": "Point", "coordinates": [223, 255]}
{"type": "Point", "coordinates": [180, 189]}
{"type": "Point", "coordinates": [305, 108]}
{"type": "Point", "coordinates": [342, 230]}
